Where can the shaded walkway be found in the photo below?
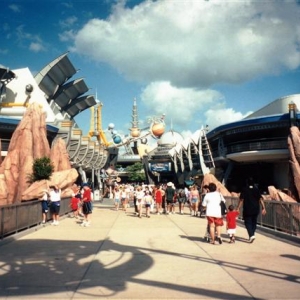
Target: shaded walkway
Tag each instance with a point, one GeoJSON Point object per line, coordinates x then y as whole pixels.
{"type": "Point", "coordinates": [165, 257]}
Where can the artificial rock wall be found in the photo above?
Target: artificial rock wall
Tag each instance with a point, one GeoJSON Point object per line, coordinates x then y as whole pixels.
{"type": "Point", "coordinates": [29, 142]}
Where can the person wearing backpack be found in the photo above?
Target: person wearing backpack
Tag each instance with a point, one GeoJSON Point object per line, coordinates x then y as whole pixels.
{"type": "Point", "coordinates": [170, 193]}
{"type": "Point", "coordinates": [181, 199]}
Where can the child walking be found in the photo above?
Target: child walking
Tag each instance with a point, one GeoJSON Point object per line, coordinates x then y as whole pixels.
{"type": "Point", "coordinates": [231, 222]}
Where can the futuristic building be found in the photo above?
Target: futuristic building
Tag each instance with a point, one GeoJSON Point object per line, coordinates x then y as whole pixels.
{"type": "Point", "coordinates": [62, 98]}
{"type": "Point", "coordinates": [256, 146]}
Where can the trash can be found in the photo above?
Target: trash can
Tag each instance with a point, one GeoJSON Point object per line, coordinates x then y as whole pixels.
{"type": "Point", "coordinates": [96, 195]}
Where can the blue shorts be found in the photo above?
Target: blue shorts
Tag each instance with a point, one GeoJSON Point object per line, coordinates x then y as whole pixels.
{"type": "Point", "coordinates": [194, 200]}
{"type": "Point", "coordinates": [55, 207]}
{"type": "Point", "coordinates": [45, 207]}
{"type": "Point", "coordinates": [117, 200]}
{"type": "Point", "coordinates": [87, 208]}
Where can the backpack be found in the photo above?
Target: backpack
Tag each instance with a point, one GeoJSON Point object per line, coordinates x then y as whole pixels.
{"type": "Point", "coordinates": [181, 193]}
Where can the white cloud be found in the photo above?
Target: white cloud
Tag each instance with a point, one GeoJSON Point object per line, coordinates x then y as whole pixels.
{"type": "Point", "coordinates": [36, 47]}
{"type": "Point", "coordinates": [219, 115]}
{"type": "Point", "coordinates": [181, 105]}
{"type": "Point", "coordinates": [68, 22]}
{"type": "Point", "coordinates": [15, 8]}
{"type": "Point", "coordinates": [67, 35]}
{"type": "Point", "coordinates": [195, 43]}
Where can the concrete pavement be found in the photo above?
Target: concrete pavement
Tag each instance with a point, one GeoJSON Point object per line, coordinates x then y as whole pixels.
{"type": "Point", "coordinates": [163, 257]}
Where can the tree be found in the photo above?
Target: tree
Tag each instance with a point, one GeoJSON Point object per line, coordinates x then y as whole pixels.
{"type": "Point", "coordinates": [136, 172]}
{"type": "Point", "coordinates": [42, 169]}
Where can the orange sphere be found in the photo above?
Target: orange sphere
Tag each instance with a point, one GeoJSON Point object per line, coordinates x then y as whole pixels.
{"type": "Point", "coordinates": [135, 132]}
{"type": "Point", "coordinates": [158, 129]}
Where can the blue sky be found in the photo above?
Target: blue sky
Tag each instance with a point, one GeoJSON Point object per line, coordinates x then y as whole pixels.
{"type": "Point", "coordinates": [199, 62]}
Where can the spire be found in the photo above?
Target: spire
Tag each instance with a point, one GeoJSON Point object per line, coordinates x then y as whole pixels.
{"type": "Point", "coordinates": [135, 118]}
{"type": "Point", "coordinates": [134, 130]}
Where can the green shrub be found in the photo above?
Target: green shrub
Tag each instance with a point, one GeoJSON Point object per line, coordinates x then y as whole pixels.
{"type": "Point", "coordinates": [42, 169]}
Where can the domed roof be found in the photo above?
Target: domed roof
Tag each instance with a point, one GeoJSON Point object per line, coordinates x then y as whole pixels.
{"type": "Point", "coordinates": [171, 138]}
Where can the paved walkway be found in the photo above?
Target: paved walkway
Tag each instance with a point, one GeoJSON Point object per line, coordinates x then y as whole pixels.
{"type": "Point", "coordinates": [164, 257]}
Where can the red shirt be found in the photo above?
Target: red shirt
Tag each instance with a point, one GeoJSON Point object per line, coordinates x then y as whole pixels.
{"type": "Point", "coordinates": [158, 196]}
{"type": "Point", "coordinates": [86, 196]}
{"type": "Point", "coordinates": [231, 219]}
{"type": "Point", "coordinates": [74, 203]}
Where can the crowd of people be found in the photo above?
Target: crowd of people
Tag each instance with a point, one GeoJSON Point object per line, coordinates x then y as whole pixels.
{"type": "Point", "coordinates": [164, 199]}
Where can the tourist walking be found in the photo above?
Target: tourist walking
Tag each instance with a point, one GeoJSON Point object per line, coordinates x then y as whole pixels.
{"type": "Point", "coordinates": [86, 205]}
{"type": "Point", "coordinates": [181, 196]}
{"type": "Point", "coordinates": [169, 194]}
{"type": "Point", "coordinates": [205, 190]}
{"type": "Point", "coordinates": [194, 199]}
{"type": "Point", "coordinates": [117, 197]}
{"type": "Point", "coordinates": [214, 217]}
{"type": "Point", "coordinates": [251, 199]}
{"type": "Point", "coordinates": [231, 223]}
{"type": "Point", "coordinates": [148, 201]}
{"type": "Point", "coordinates": [55, 199]}
{"type": "Point", "coordinates": [139, 200]}
{"type": "Point", "coordinates": [158, 199]}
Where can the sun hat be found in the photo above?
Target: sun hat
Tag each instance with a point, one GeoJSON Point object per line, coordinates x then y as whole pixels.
{"type": "Point", "coordinates": [169, 184]}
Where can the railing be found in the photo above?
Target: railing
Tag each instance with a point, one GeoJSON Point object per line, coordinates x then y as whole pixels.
{"type": "Point", "coordinates": [251, 146]}
{"type": "Point", "coordinates": [281, 216]}
{"type": "Point", "coordinates": [18, 217]}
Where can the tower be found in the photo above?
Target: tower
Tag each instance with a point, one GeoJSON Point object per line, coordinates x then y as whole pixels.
{"type": "Point", "coordinates": [135, 132]}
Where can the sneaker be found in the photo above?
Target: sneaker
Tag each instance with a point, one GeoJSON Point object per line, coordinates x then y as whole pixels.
{"type": "Point", "coordinates": [252, 238]}
{"type": "Point", "coordinates": [87, 224]}
{"type": "Point", "coordinates": [44, 222]}
{"type": "Point", "coordinates": [219, 240]}
{"type": "Point", "coordinates": [83, 224]}
{"type": "Point", "coordinates": [181, 212]}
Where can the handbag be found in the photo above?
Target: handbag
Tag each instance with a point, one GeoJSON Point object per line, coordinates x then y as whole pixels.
{"type": "Point", "coordinates": [223, 207]}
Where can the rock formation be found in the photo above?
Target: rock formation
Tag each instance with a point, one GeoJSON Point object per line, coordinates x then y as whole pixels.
{"type": "Point", "coordinates": [275, 194]}
{"type": "Point", "coordinates": [59, 156]}
{"type": "Point", "coordinates": [29, 142]}
{"type": "Point", "coordinates": [294, 149]}
{"type": "Point", "coordinates": [208, 178]}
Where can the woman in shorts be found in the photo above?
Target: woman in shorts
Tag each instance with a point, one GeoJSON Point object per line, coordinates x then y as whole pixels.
{"type": "Point", "coordinates": [214, 217]}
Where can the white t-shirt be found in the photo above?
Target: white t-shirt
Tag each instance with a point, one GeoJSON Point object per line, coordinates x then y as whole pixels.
{"type": "Point", "coordinates": [140, 195]}
{"type": "Point", "coordinates": [212, 203]}
{"type": "Point", "coordinates": [54, 196]}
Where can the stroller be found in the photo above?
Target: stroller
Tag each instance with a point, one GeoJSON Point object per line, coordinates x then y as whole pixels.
{"type": "Point", "coordinates": [207, 236]}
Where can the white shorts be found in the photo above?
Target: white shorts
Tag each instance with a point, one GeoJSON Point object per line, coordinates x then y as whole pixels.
{"type": "Point", "coordinates": [231, 231]}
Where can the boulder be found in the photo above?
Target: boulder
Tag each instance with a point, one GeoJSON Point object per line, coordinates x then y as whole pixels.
{"type": "Point", "coordinates": [278, 195]}
{"type": "Point", "coordinates": [62, 179]}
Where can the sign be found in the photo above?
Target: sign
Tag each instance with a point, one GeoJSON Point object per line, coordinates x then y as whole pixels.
{"type": "Point", "coordinates": [160, 167]}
